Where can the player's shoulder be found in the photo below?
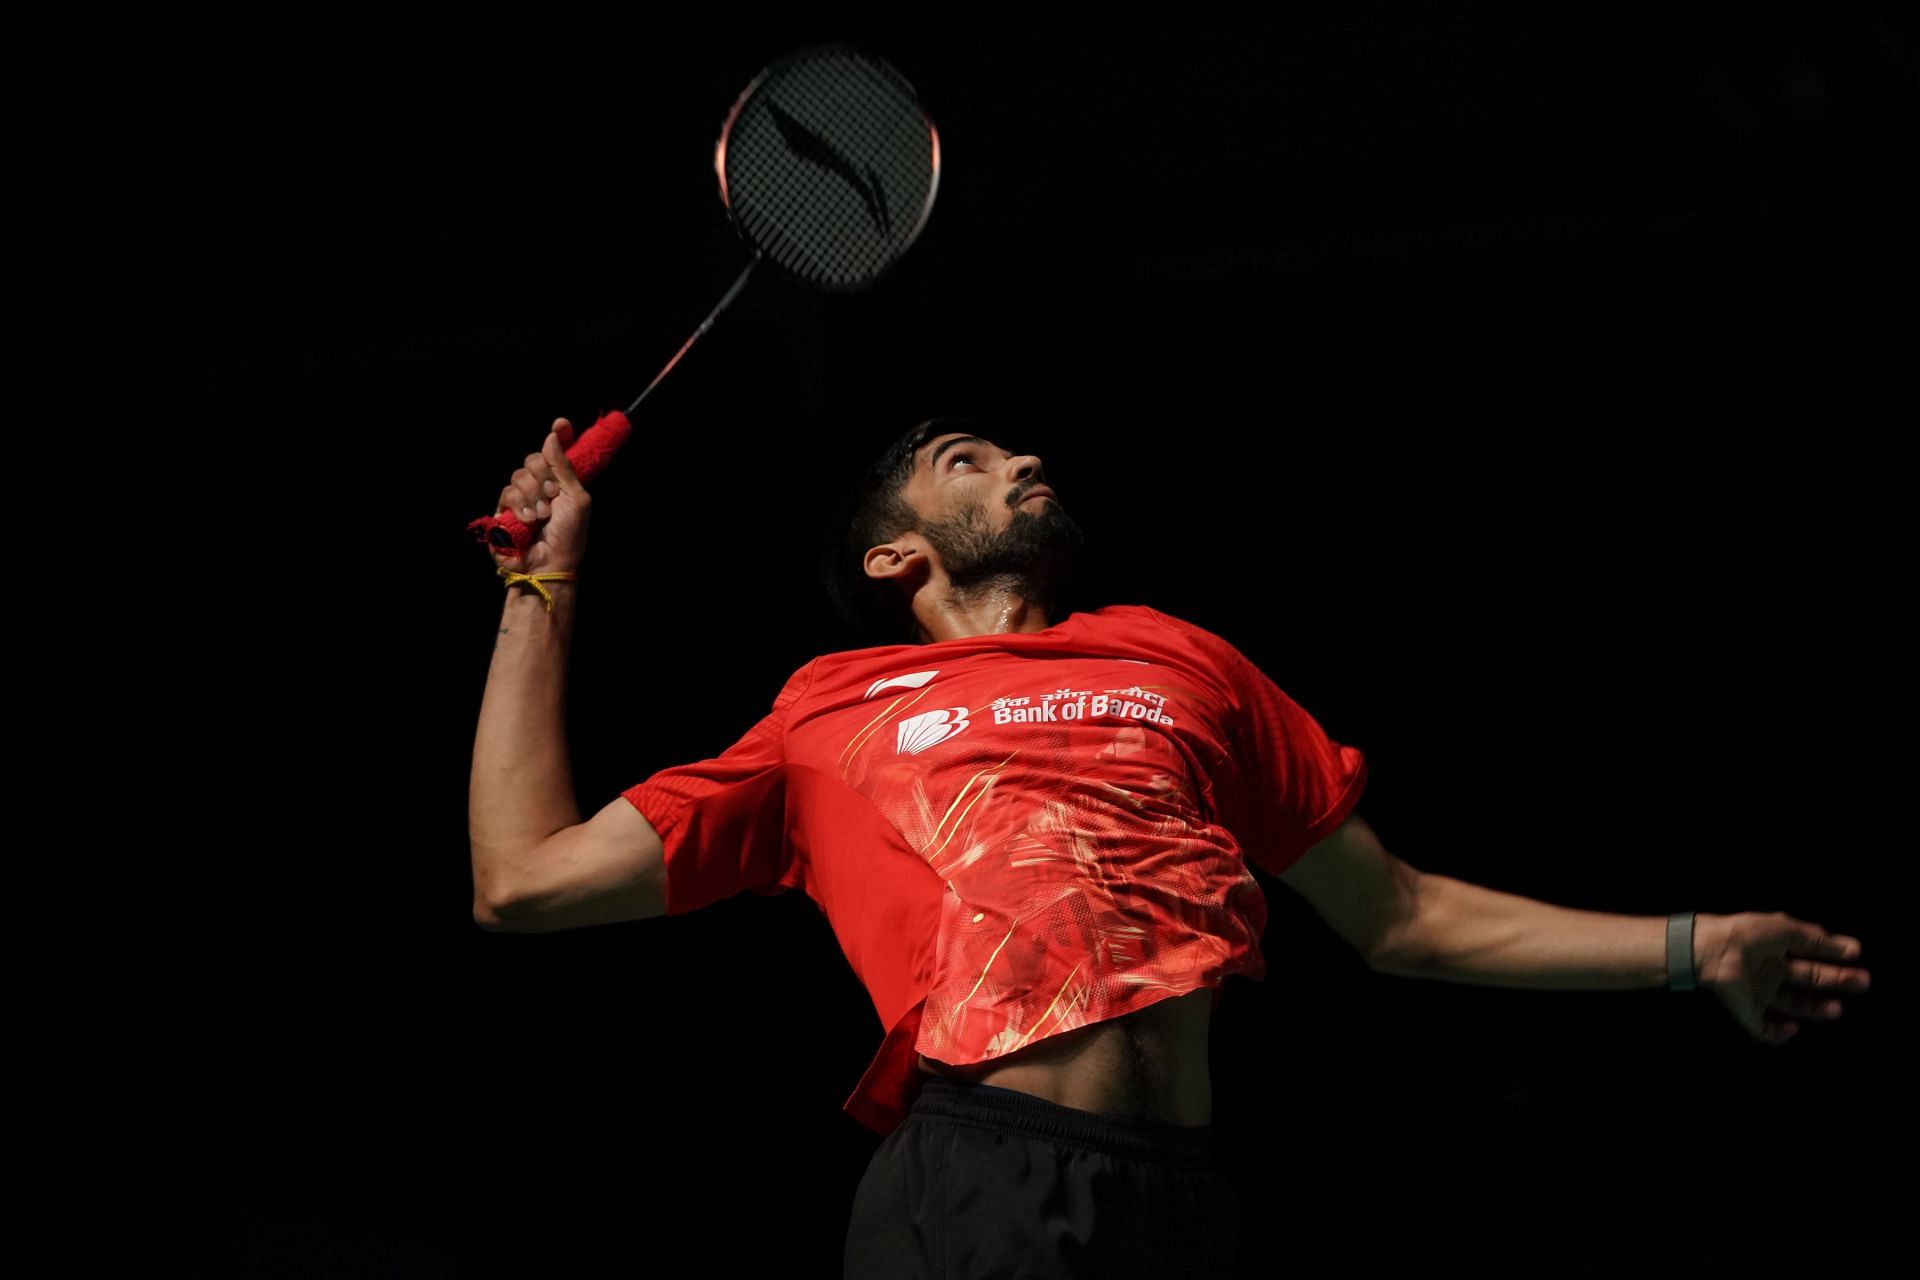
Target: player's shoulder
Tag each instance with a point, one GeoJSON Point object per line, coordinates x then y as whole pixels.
{"type": "Point", "coordinates": [1129, 614]}
{"type": "Point", "coordinates": [1159, 619]}
{"type": "Point", "coordinates": [1169, 637]}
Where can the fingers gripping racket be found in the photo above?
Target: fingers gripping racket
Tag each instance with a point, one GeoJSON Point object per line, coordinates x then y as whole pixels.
{"type": "Point", "coordinates": [828, 167]}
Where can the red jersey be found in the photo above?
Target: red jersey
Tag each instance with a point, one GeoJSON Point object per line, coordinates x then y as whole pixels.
{"type": "Point", "coordinates": [1014, 835]}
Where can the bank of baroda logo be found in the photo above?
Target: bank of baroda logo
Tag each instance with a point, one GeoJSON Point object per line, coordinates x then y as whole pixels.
{"type": "Point", "coordinates": [917, 733]}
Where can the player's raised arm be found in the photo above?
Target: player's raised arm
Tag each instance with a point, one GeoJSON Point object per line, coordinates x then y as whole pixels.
{"type": "Point", "coordinates": [535, 864]}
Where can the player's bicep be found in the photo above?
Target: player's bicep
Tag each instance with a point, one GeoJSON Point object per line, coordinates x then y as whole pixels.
{"type": "Point", "coordinates": [1364, 893]}
{"type": "Point", "coordinates": [609, 868]}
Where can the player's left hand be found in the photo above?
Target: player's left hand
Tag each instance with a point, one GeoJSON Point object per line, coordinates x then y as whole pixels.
{"type": "Point", "coordinates": [1772, 970]}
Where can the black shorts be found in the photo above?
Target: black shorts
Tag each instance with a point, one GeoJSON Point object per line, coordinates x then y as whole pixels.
{"type": "Point", "coordinates": [981, 1181]}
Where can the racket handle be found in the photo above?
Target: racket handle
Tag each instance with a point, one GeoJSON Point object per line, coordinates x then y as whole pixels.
{"type": "Point", "coordinates": [504, 532]}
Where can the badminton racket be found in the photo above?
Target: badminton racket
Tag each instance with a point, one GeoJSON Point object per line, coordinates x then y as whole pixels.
{"type": "Point", "coordinates": [828, 165]}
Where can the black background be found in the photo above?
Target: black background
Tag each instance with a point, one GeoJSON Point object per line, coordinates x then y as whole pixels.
{"type": "Point", "coordinates": [1523, 398]}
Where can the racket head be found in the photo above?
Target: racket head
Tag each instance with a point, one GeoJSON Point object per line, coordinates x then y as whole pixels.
{"type": "Point", "coordinates": [828, 166]}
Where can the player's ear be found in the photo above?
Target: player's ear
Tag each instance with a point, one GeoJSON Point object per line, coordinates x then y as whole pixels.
{"type": "Point", "coordinates": [903, 558]}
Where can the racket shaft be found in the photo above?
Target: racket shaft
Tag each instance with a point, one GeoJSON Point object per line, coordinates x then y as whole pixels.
{"type": "Point", "coordinates": [504, 531]}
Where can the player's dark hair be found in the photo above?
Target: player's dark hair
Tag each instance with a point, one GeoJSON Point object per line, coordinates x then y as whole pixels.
{"type": "Point", "coordinates": [876, 512]}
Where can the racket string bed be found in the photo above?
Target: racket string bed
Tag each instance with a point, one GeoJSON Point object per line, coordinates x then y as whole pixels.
{"type": "Point", "coordinates": [832, 166]}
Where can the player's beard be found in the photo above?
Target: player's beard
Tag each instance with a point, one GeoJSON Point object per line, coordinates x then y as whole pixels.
{"type": "Point", "coordinates": [1031, 555]}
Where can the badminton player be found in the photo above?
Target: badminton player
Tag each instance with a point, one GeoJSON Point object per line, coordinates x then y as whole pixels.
{"type": "Point", "coordinates": [1031, 835]}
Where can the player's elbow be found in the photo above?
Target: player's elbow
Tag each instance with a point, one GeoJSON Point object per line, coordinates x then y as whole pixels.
{"type": "Point", "coordinates": [1405, 947]}
{"type": "Point", "coordinates": [515, 916]}
{"type": "Point", "coordinates": [489, 916]}
{"type": "Point", "coordinates": [490, 910]}
{"type": "Point", "coordinates": [495, 907]}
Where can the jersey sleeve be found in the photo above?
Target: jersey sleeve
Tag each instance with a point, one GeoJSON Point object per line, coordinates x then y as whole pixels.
{"type": "Point", "coordinates": [722, 821]}
{"type": "Point", "coordinates": [1283, 785]}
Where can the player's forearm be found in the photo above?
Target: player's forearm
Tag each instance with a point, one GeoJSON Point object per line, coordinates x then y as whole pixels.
{"type": "Point", "coordinates": [1469, 933]}
{"type": "Point", "coordinates": [521, 789]}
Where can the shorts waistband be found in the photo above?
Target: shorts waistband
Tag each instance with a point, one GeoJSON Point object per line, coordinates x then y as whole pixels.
{"type": "Point", "coordinates": [1185, 1146]}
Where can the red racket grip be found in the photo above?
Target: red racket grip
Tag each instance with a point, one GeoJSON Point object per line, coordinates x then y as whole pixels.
{"type": "Point", "coordinates": [503, 532]}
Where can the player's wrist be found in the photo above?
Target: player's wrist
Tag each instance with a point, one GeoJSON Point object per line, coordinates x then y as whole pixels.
{"type": "Point", "coordinates": [544, 588]}
{"type": "Point", "coordinates": [1711, 940]}
{"type": "Point", "coordinates": [519, 566]}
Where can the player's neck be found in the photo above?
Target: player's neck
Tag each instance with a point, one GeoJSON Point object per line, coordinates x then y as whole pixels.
{"type": "Point", "coordinates": [992, 609]}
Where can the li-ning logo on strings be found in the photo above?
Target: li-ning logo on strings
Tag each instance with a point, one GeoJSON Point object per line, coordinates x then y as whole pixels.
{"type": "Point", "coordinates": [808, 145]}
{"type": "Point", "coordinates": [929, 728]}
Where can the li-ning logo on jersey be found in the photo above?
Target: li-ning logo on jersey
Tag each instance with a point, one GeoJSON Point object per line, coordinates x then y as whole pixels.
{"type": "Point", "coordinates": [929, 728]}
{"type": "Point", "coordinates": [917, 680]}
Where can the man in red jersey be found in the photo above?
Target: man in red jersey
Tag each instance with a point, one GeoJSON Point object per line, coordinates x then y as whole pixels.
{"type": "Point", "coordinates": [1030, 836]}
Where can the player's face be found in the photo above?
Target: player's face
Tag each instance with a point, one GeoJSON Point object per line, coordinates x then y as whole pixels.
{"type": "Point", "coordinates": [981, 513]}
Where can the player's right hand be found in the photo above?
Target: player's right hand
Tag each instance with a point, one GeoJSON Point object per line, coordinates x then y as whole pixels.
{"type": "Point", "coordinates": [549, 499]}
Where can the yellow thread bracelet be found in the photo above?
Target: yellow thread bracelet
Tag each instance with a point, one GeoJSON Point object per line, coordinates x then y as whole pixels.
{"type": "Point", "coordinates": [536, 578]}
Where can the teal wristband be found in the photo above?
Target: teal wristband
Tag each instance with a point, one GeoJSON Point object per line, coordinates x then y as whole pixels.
{"type": "Point", "coordinates": [1680, 974]}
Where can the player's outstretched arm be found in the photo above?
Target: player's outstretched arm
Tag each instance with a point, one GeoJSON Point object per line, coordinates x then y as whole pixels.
{"type": "Point", "coordinates": [1767, 968]}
